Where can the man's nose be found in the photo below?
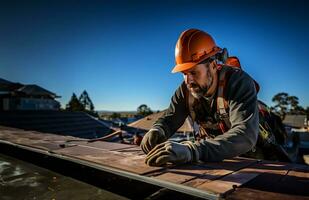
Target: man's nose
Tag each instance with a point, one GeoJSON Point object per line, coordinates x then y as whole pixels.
{"type": "Point", "coordinates": [188, 78]}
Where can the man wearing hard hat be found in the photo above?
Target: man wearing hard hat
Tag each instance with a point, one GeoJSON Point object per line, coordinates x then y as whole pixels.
{"type": "Point", "coordinates": [221, 99]}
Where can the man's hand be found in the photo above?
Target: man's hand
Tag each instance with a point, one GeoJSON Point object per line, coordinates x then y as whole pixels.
{"type": "Point", "coordinates": [151, 139]}
{"type": "Point", "coordinates": [173, 152]}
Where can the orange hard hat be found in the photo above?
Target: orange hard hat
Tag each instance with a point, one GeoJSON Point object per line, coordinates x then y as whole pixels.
{"type": "Point", "coordinates": [193, 47]}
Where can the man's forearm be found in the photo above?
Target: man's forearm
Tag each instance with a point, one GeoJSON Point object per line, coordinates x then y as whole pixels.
{"type": "Point", "coordinates": [227, 145]}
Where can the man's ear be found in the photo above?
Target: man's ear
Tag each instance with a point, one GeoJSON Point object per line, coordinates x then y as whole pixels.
{"type": "Point", "coordinates": [213, 64]}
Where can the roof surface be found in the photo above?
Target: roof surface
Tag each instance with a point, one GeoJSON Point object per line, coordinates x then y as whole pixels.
{"type": "Point", "coordinates": [236, 178]}
{"type": "Point", "coordinates": [35, 90]}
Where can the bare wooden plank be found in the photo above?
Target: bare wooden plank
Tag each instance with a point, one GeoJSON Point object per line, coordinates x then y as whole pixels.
{"type": "Point", "coordinates": [135, 164]}
{"type": "Point", "coordinates": [38, 140]}
{"type": "Point", "coordinates": [227, 183]}
{"type": "Point", "coordinates": [233, 164]}
{"type": "Point", "coordinates": [216, 170]}
{"type": "Point", "coordinates": [236, 179]}
{"type": "Point", "coordinates": [194, 175]}
{"type": "Point", "coordinates": [103, 145]}
{"type": "Point", "coordinates": [133, 150]}
{"type": "Point", "coordinates": [184, 174]}
{"type": "Point", "coordinates": [208, 176]}
{"type": "Point", "coordinates": [11, 135]}
{"type": "Point", "coordinates": [295, 182]}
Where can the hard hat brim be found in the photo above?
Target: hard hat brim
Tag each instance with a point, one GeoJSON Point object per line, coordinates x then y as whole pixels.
{"type": "Point", "coordinates": [189, 65]}
{"type": "Point", "coordinates": [183, 67]}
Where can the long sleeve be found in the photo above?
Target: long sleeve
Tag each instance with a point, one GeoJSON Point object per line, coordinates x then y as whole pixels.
{"type": "Point", "coordinates": [243, 112]}
{"type": "Point", "coordinates": [176, 113]}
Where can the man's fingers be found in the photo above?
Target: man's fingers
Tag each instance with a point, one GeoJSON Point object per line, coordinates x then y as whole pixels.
{"type": "Point", "coordinates": [143, 144]}
{"type": "Point", "coordinates": [146, 144]}
{"type": "Point", "coordinates": [164, 159]}
{"type": "Point", "coordinates": [150, 140]}
{"type": "Point", "coordinates": [159, 146]}
{"type": "Point", "coordinates": [146, 147]}
{"type": "Point", "coordinates": [153, 141]}
{"type": "Point", "coordinates": [143, 147]}
{"type": "Point", "coordinates": [153, 160]}
{"type": "Point", "coordinates": [155, 153]}
{"type": "Point", "coordinates": [150, 145]}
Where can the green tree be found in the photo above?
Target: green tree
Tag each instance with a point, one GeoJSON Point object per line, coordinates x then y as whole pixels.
{"type": "Point", "coordinates": [74, 104]}
{"type": "Point", "coordinates": [286, 104]}
{"type": "Point", "coordinates": [115, 115]}
{"type": "Point", "coordinates": [293, 104]}
{"type": "Point", "coordinates": [144, 110]}
{"type": "Point", "coordinates": [281, 101]}
{"type": "Point", "coordinates": [85, 100]}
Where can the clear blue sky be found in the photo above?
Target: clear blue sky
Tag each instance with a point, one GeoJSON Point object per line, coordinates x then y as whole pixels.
{"type": "Point", "coordinates": [122, 52]}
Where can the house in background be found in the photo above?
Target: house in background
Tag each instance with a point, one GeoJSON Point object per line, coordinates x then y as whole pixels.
{"type": "Point", "coordinates": [296, 121]}
{"type": "Point", "coordinates": [147, 122]}
{"type": "Point", "coordinates": [33, 108]}
{"type": "Point", "coordinates": [17, 96]}
{"type": "Point", "coordinates": [185, 132]}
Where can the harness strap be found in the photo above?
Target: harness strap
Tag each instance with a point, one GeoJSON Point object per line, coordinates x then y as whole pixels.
{"type": "Point", "coordinates": [222, 104]}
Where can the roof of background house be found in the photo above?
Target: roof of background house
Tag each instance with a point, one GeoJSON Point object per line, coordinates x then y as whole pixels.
{"type": "Point", "coordinates": [3, 81]}
{"type": "Point", "coordinates": [36, 91]}
{"type": "Point", "coordinates": [297, 121]}
{"type": "Point", "coordinates": [147, 122]}
{"type": "Point", "coordinates": [77, 124]}
{"type": "Point", "coordinates": [7, 87]}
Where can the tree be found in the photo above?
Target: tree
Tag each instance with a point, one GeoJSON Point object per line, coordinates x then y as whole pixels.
{"type": "Point", "coordinates": [281, 106]}
{"type": "Point", "coordinates": [144, 110]}
{"type": "Point", "coordinates": [74, 104]}
{"type": "Point", "coordinates": [115, 115]}
{"type": "Point", "coordinates": [293, 104]}
{"type": "Point", "coordinates": [286, 104]}
{"type": "Point", "coordinates": [85, 100]}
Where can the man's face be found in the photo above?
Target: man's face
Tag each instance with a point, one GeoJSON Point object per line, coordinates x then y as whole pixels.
{"type": "Point", "coordinates": [199, 79]}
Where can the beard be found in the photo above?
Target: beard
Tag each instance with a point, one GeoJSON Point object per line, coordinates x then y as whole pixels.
{"type": "Point", "coordinates": [196, 90]}
{"type": "Point", "coordinates": [199, 91]}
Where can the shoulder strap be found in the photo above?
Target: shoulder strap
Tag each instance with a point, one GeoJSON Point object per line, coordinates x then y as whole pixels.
{"type": "Point", "coordinates": [222, 104]}
{"type": "Point", "coordinates": [189, 102]}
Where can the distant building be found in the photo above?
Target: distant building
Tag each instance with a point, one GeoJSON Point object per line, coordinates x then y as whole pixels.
{"type": "Point", "coordinates": [147, 122]}
{"type": "Point", "coordinates": [185, 132]}
{"type": "Point", "coordinates": [296, 121]}
{"type": "Point", "coordinates": [16, 96]}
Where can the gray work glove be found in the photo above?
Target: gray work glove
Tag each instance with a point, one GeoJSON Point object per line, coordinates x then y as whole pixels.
{"type": "Point", "coordinates": [172, 152]}
{"type": "Point", "coordinates": [153, 137]}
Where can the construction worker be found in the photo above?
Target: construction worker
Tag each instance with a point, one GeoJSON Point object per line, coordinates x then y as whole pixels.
{"type": "Point", "coordinates": [221, 99]}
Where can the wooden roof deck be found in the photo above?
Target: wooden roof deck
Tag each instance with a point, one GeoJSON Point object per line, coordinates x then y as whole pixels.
{"type": "Point", "coordinates": [238, 178]}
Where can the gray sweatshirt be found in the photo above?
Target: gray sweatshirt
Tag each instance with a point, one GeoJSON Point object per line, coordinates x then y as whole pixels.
{"type": "Point", "coordinates": [243, 116]}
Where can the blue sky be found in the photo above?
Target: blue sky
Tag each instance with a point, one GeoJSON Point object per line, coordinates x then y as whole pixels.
{"type": "Point", "coordinates": [122, 52]}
